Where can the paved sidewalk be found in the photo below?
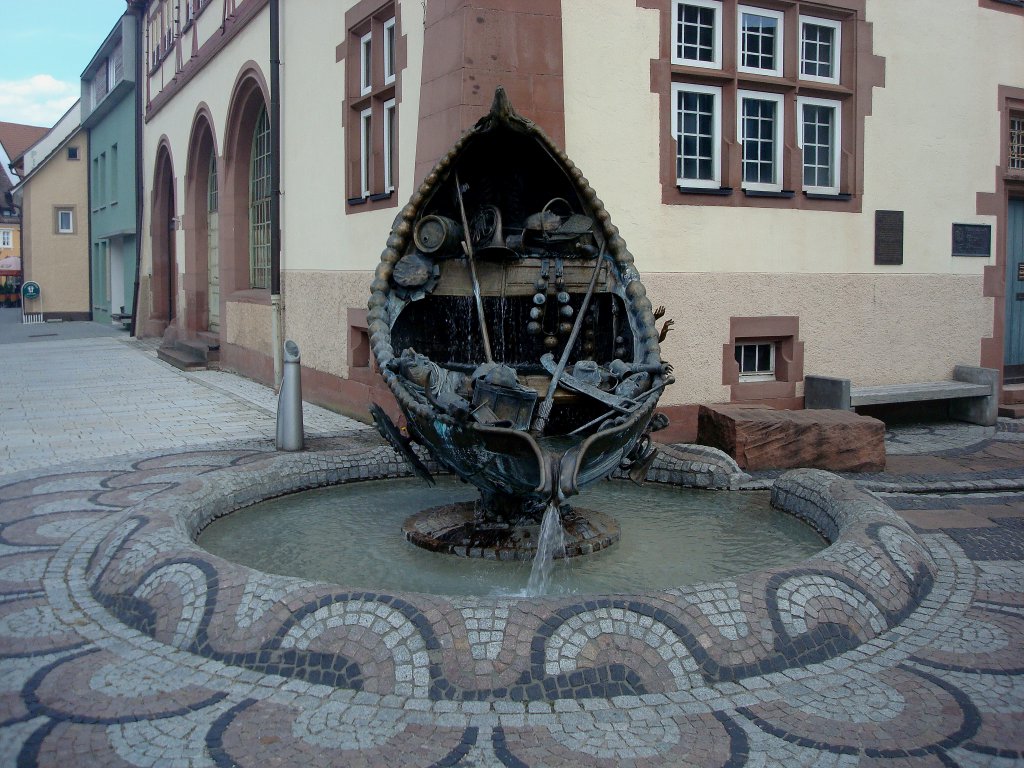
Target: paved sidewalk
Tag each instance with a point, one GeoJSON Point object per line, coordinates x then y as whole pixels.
{"type": "Point", "coordinates": [122, 644]}
{"type": "Point", "coordinates": [74, 398]}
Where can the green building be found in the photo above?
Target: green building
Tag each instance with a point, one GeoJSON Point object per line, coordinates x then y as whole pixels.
{"type": "Point", "coordinates": [109, 113]}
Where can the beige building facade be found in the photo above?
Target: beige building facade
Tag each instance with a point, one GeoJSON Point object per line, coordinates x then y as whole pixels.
{"type": "Point", "coordinates": [823, 187]}
{"type": "Point", "coordinates": [54, 198]}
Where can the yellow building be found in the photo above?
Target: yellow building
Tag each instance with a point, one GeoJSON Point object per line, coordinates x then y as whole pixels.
{"type": "Point", "coordinates": [53, 197]}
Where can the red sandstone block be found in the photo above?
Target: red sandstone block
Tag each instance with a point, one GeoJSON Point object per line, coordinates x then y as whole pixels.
{"type": "Point", "coordinates": [764, 438]}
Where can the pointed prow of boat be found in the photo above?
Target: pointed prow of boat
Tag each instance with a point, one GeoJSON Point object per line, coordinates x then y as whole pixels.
{"type": "Point", "coordinates": [510, 323]}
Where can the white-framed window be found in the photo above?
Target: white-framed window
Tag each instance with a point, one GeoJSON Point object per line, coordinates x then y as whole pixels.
{"type": "Point", "coordinates": [1015, 159]}
{"type": "Point", "coordinates": [759, 44]}
{"type": "Point", "coordinates": [697, 131]}
{"type": "Point", "coordinates": [697, 33]}
{"type": "Point", "coordinates": [65, 221]}
{"type": "Point", "coordinates": [6, 238]}
{"type": "Point", "coordinates": [820, 47]}
{"type": "Point", "coordinates": [259, 203]}
{"type": "Point", "coordinates": [371, 90]}
{"type": "Point", "coordinates": [365, 150]}
{"type": "Point", "coordinates": [366, 63]}
{"type": "Point", "coordinates": [756, 360]}
{"type": "Point", "coordinates": [760, 129]}
{"type": "Point", "coordinates": [389, 51]}
{"type": "Point", "coordinates": [819, 137]}
{"type": "Point", "coordinates": [72, 153]}
{"type": "Point", "coordinates": [390, 140]}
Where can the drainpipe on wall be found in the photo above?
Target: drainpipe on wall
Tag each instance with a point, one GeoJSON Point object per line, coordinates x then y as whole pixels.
{"type": "Point", "coordinates": [88, 228]}
{"type": "Point", "coordinates": [138, 10]}
{"type": "Point", "coordinates": [275, 188]}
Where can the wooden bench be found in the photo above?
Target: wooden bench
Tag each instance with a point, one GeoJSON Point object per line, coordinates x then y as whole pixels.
{"type": "Point", "coordinates": [972, 394]}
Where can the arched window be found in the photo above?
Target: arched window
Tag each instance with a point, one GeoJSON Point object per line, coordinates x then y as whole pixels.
{"type": "Point", "coordinates": [259, 204]}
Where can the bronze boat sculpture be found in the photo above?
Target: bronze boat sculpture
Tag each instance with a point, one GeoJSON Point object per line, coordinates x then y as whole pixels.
{"type": "Point", "coordinates": [509, 322]}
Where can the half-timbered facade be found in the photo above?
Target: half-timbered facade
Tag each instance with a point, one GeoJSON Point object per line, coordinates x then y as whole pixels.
{"type": "Point", "coordinates": [809, 186]}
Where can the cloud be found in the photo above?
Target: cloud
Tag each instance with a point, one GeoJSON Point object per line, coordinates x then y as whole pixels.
{"type": "Point", "coordinates": [37, 100]}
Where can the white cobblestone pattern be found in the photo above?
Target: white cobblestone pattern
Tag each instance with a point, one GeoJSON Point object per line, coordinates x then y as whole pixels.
{"type": "Point", "coordinates": [797, 597]}
{"type": "Point", "coordinates": [190, 584]}
{"type": "Point", "coordinates": [720, 603]}
{"type": "Point", "coordinates": [392, 629]}
{"type": "Point", "coordinates": [615, 737]}
{"type": "Point", "coordinates": [330, 725]}
{"type": "Point", "coordinates": [897, 543]}
{"type": "Point", "coordinates": [485, 629]}
{"type": "Point", "coordinates": [568, 642]}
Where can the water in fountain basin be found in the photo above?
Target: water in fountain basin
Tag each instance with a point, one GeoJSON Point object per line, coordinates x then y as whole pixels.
{"type": "Point", "coordinates": [352, 535]}
{"type": "Point", "coordinates": [550, 543]}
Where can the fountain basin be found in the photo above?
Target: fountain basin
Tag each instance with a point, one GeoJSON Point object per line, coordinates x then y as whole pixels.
{"type": "Point", "coordinates": [353, 534]}
{"type": "Point", "coordinates": [142, 566]}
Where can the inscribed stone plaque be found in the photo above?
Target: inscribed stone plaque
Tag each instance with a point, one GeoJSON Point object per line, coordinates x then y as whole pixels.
{"type": "Point", "coordinates": [888, 237]}
{"type": "Point", "coordinates": [972, 240]}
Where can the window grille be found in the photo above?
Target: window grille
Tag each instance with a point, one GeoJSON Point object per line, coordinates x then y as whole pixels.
{"type": "Point", "coordinates": [1016, 158]}
{"type": "Point", "coordinates": [819, 46]}
{"type": "Point", "coordinates": [389, 51]}
{"type": "Point", "coordinates": [818, 145]}
{"type": "Point", "coordinates": [390, 142]}
{"type": "Point", "coordinates": [696, 131]}
{"type": "Point", "coordinates": [211, 186]}
{"type": "Point", "coordinates": [760, 40]}
{"type": "Point", "coordinates": [757, 137]}
{"type": "Point", "coordinates": [259, 204]}
{"type": "Point", "coordinates": [756, 360]}
{"type": "Point", "coordinates": [696, 33]}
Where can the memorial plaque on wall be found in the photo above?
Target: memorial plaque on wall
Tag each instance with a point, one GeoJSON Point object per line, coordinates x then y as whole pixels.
{"type": "Point", "coordinates": [888, 237]}
{"type": "Point", "coordinates": [972, 240]}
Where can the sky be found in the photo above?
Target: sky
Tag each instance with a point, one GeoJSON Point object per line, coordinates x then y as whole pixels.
{"type": "Point", "coordinates": [46, 45]}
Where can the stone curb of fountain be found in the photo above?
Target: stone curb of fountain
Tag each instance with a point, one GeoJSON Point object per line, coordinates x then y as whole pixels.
{"type": "Point", "coordinates": [149, 548]}
{"type": "Point", "coordinates": [912, 484]}
{"type": "Point", "coordinates": [693, 466]}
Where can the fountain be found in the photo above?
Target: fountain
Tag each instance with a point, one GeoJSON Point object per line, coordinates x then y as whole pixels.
{"type": "Point", "coordinates": [349, 667]}
{"type": "Point", "coordinates": [509, 322]}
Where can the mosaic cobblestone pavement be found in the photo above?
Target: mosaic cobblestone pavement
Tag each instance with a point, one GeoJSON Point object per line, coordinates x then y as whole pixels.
{"type": "Point", "coordinates": [123, 644]}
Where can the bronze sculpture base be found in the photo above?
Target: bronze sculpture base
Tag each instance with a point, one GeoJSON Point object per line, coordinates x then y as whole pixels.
{"type": "Point", "coordinates": [453, 529]}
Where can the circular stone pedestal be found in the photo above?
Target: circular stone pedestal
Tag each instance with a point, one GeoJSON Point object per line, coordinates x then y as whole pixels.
{"type": "Point", "coordinates": [451, 529]}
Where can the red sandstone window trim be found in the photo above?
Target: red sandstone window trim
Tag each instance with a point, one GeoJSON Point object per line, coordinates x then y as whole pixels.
{"type": "Point", "coordinates": [373, 84]}
{"type": "Point", "coordinates": [854, 72]}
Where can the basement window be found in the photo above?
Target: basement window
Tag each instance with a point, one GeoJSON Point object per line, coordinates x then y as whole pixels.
{"type": "Point", "coordinates": [756, 361]}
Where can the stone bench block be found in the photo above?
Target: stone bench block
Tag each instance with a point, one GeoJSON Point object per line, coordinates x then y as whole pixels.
{"type": "Point", "coordinates": [972, 392]}
{"type": "Point", "coordinates": [765, 438]}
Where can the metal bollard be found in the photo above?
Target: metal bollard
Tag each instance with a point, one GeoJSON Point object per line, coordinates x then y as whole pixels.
{"type": "Point", "coordinates": [290, 436]}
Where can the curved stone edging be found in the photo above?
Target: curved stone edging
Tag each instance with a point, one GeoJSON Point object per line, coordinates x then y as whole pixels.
{"type": "Point", "coordinates": [147, 572]}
